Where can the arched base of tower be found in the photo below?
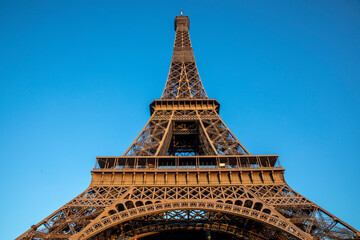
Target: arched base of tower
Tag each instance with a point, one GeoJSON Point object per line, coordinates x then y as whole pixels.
{"type": "Point", "coordinates": [192, 224]}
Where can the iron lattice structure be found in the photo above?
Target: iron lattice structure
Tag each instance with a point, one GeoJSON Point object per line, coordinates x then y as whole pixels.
{"type": "Point", "coordinates": [187, 171]}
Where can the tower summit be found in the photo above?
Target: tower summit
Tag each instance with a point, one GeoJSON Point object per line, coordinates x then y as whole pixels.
{"type": "Point", "coordinates": [185, 122]}
{"type": "Point", "coordinates": [187, 173]}
{"type": "Point", "coordinates": [183, 81]}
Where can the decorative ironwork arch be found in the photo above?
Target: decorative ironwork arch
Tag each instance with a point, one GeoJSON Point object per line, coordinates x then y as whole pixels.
{"type": "Point", "coordinates": [263, 215]}
{"type": "Point", "coordinates": [142, 228]}
{"type": "Point", "coordinates": [216, 227]}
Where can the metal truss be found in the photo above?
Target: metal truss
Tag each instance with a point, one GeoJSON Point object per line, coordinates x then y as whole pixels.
{"type": "Point", "coordinates": [214, 137]}
{"type": "Point", "coordinates": [101, 208]}
{"type": "Point", "coordinates": [195, 220]}
{"type": "Point", "coordinates": [187, 171]}
{"type": "Point", "coordinates": [183, 81]}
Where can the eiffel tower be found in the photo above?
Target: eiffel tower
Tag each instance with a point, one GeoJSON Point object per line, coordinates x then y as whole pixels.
{"type": "Point", "coordinates": [186, 176]}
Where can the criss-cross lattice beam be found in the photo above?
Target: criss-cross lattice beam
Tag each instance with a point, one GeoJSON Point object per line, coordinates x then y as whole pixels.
{"type": "Point", "coordinates": [150, 138]}
{"type": "Point", "coordinates": [223, 140]}
{"type": "Point", "coordinates": [305, 214]}
{"type": "Point", "coordinates": [214, 136]}
{"type": "Point", "coordinates": [183, 80]}
{"type": "Point", "coordinates": [74, 216]}
{"type": "Point", "coordinates": [98, 203]}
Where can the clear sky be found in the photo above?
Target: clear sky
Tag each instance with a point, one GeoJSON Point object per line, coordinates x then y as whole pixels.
{"type": "Point", "coordinates": [76, 78]}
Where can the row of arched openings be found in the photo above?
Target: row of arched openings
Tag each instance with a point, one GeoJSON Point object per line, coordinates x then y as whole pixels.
{"type": "Point", "coordinates": [247, 204]}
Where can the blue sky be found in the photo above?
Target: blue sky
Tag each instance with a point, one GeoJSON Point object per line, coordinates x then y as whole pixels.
{"type": "Point", "coordinates": [76, 79]}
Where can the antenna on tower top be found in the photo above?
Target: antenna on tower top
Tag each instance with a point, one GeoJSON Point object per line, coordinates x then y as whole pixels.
{"type": "Point", "coordinates": [181, 12]}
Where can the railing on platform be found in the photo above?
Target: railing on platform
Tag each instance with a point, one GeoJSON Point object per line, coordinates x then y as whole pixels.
{"type": "Point", "coordinates": [187, 162]}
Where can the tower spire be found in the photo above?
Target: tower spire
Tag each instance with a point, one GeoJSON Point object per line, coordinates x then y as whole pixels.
{"type": "Point", "coordinates": [183, 81]}
{"type": "Point", "coordinates": [185, 122]}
